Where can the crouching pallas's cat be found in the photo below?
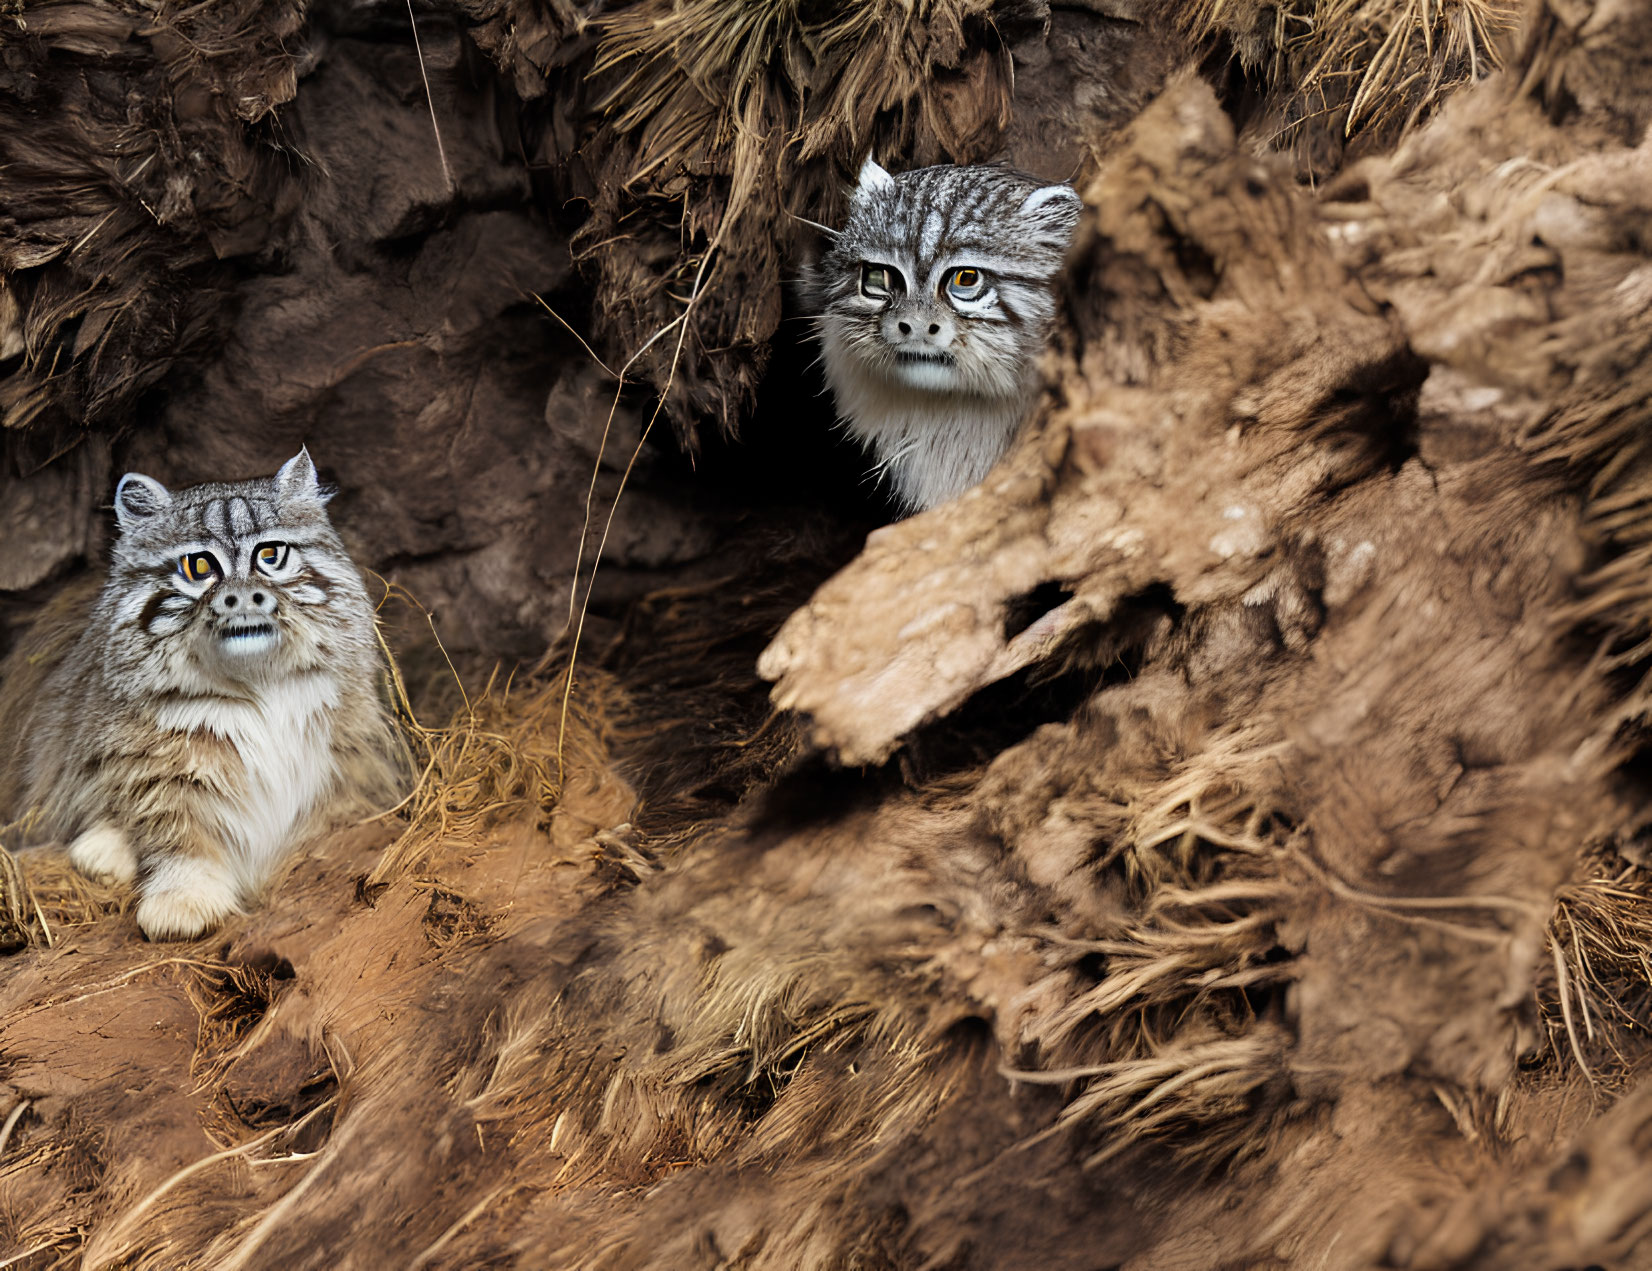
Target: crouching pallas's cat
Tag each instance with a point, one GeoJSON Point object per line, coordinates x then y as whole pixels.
{"type": "Point", "coordinates": [220, 699]}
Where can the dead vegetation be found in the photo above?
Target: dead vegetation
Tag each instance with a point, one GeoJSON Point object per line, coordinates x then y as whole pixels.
{"type": "Point", "coordinates": [1353, 72]}
{"type": "Point", "coordinates": [1213, 842]}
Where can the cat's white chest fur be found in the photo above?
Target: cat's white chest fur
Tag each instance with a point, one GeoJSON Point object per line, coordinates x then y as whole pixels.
{"type": "Point", "coordinates": [932, 445]}
{"type": "Point", "coordinates": [283, 736]}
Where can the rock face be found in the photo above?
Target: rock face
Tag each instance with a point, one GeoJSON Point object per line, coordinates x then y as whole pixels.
{"type": "Point", "coordinates": [377, 302]}
{"type": "Point", "coordinates": [1217, 840]}
{"type": "Point", "coordinates": [234, 228]}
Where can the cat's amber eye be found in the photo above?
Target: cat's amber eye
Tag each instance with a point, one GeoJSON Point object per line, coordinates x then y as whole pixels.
{"type": "Point", "coordinates": [966, 282]}
{"type": "Point", "coordinates": [880, 282]}
{"type": "Point", "coordinates": [199, 567]}
{"type": "Point", "coordinates": [270, 557]}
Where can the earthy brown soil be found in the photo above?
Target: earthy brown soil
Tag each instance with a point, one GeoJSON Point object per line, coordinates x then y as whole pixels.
{"type": "Point", "coordinates": [1217, 842]}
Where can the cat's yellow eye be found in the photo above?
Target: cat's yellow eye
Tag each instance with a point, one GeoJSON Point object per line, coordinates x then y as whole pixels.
{"type": "Point", "coordinates": [966, 283]}
{"type": "Point", "coordinates": [198, 567]}
{"type": "Point", "coordinates": [270, 557]}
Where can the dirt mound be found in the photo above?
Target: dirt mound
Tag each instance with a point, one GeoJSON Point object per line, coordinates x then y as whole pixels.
{"type": "Point", "coordinates": [1218, 841]}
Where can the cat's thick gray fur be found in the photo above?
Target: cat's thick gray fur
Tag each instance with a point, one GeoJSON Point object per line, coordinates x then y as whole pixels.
{"type": "Point", "coordinates": [196, 728]}
{"type": "Point", "coordinates": [933, 385]}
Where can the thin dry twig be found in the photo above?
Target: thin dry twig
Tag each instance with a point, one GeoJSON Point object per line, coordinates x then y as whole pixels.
{"type": "Point", "coordinates": [429, 97]}
{"type": "Point", "coordinates": [12, 1119]}
{"type": "Point", "coordinates": [681, 322]}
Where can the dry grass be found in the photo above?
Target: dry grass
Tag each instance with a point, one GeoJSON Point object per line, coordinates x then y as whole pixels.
{"type": "Point", "coordinates": [739, 120]}
{"type": "Point", "coordinates": [504, 751]}
{"type": "Point", "coordinates": [1600, 936]}
{"type": "Point", "coordinates": [716, 77]}
{"type": "Point", "coordinates": [228, 1000]}
{"type": "Point", "coordinates": [1166, 1030]}
{"type": "Point", "coordinates": [1373, 62]}
{"type": "Point", "coordinates": [1204, 1083]}
{"type": "Point", "coordinates": [42, 894]}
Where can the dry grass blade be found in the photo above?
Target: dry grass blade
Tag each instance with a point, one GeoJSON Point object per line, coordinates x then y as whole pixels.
{"type": "Point", "coordinates": [701, 276]}
{"type": "Point", "coordinates": [464, 1220]}
{"type": "Point", "coordinates": [12, 1118]}
{"type": "Point", "coordinates": [115, 1242]}
{"type": "Point", "coordinates": [430, 100]}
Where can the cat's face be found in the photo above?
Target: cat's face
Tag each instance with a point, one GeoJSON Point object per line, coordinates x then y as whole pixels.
{"type": "Point", "coordinates": [243, 579]}
{"type": "Point", "coordinates": [941, 280]}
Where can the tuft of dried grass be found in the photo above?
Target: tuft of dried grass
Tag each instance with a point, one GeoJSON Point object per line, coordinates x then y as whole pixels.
{"type": "Point", "coordinates": [41, 893]}
{"type": "Point", "coordinates": [1206, 1084]}
{"type": "Point", "coordinates": [229, 999]}
{"type": "Point", "coordinates": [1600, 937]}
{"type": "Point", "coordinates": [1363, 65]}
{"type": "Point", "coordinates": [503, 752]}
{"type": "Point", "coordinates": [827, 71]}
{"type": "Point", "coordinates": [1173, 1036]}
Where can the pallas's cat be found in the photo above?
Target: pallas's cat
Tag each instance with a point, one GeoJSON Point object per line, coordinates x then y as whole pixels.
{"type": "Point", "coordinates": [219, 700]}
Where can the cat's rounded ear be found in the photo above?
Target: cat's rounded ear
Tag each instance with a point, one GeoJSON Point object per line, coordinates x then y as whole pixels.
{"type": "Point", "coordinates": [297, 480]}
{"type": "Point", "coordinates": [137, 498]}
{"type": "Point", "coordinates": [1054, 205]}
{"type": "Point", "coordinates": [873, 179]}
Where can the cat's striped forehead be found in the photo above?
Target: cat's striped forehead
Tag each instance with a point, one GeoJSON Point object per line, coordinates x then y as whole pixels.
{"type": "Point", "coordinates": [937, 213]}
{"type": "Point", "coordinates": [229, 516]}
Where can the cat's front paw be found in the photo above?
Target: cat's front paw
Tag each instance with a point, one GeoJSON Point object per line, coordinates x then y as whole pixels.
{"type": "Point", "coordinates": [184, 898]}
{"type": "Point", "coordinates": [105, 852]}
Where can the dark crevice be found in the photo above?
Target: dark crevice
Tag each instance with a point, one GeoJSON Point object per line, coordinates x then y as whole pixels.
{"type": "Point", "coordinates": [1020, 612]}
{"type": "Point", "coordinates": [1091, 658]}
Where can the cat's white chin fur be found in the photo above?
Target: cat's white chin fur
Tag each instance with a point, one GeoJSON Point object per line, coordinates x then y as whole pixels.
{"type": "Point", "coordinates": [184, 898]}
{"type": "Point", "coordinates": [929, 377]}
{"type": "Point", "coordinates": [245, 645]}
{"type": "Point", "coordinates": [933, 443]}
{"type": "Point", "coordinates": [105, 852]}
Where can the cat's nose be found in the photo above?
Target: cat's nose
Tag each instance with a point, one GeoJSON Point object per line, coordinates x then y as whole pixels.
{"type": "Point", "coordinates": [925, 329]}
{"type": "Point", "coordinates": [232, 600]}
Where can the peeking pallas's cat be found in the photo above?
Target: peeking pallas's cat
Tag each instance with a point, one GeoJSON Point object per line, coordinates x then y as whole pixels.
{"type": "Point", "coordinates": [220, 700]}
{"type": "Point", "coordinates": [933, 303]}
